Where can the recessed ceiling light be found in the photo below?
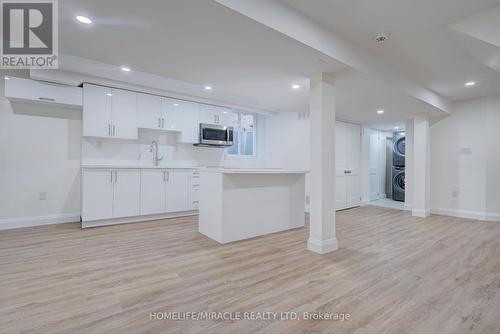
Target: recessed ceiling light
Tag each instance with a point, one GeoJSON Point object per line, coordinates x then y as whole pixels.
{"type": "Point", "coordinates": [380, 111]}
{"type": "Point", "coordinates": [396, 128]}
{"type": "Point", "coordinates": [109, 94]}
{"type": "Point", "coordinates": [125, 69]}
{"type": "Point", "coordinates": [470, 83]}
{"type": "Point", "coordinates": [208, 87]}
{"type": "Point", "coordinates": [84, 19]}
{"type": "Point", "coordinates": [295, 86]}
{"type": "Point", "coordinates": [176, 104]}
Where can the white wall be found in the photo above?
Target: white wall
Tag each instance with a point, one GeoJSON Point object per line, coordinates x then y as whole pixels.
{"type": "Point", "coordinates": [465, 149]}
{"type": "Point", "coordinates": [39, 152]}
{"type": "Point", "coordinates": [373, 162]}
{"type": "Point", "coordinates": [493, 159]}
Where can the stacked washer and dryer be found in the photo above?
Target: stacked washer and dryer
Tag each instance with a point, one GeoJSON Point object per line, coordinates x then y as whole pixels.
{"type": "Point", "coordinates": [398, 166]}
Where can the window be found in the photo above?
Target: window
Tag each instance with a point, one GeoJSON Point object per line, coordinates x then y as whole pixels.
{"type": "Point", "coordinates": [244, 135]}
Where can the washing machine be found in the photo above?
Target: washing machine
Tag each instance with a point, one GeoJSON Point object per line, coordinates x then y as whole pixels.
{"type": "Point", "coordinates": [398, 183]}
{"type": "Point", "coordinates": [398, 149]}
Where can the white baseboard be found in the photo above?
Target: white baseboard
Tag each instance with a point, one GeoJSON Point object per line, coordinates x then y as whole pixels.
{"type": "Point", "coordinates": [478, 215]}
{"type": "Point", "coordinates": [10, 223]}
{"type": "Point", "coordinates": [420, 213]}
{"type": "Point", "coordinates": [137, 219]}
{"type": "Point", "coordinates": [322, 246]}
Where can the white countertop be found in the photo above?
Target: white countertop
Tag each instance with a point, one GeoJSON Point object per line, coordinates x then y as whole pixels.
{"type": "Point", "coordinates": [253, 171]}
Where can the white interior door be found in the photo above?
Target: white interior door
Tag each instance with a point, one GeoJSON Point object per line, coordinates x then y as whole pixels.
{"type": "Point", "coordinates": [373, 168]}
{"type": "Point", "coordinates": [341, 166]}
{"type": "Point", "coordinates": [153, 191]}
{"type": "Point", "coordinates": [97, 195]}
{"type": "Point", "coordinates": [126, 202]}
{"type": "Point", "coordinates": [354, 161]}
{"type": "Point", "coordinates": [177, 193]}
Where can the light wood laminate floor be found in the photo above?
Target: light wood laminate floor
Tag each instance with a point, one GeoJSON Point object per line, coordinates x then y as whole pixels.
{"type": "Point", "coordinates": [393, 273]}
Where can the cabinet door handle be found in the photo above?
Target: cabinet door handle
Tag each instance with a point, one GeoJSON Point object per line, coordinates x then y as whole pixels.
{"type": "Point", "coordinates": [111, 179]}
{"type": "Point", "coordinates": [109, 130]}
{"type": "Point", "coordinates": [46, 99]}
{"type": "Point", "coordinates": [164, 178]}
{"type": "Point", "coordinates": [163, 123]}
{"type": "Point", "coordinates": [114, 132]}
{"type": "Point", "coordinates": [116, 177]}
{"type": "Point", "coordinates": [168, 176]}
{"type": "Point", "coordinates": [159, 122]}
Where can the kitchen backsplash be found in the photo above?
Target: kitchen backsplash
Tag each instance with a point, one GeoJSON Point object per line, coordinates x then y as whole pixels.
{"type": "Point", "coordinates": [138, 152]}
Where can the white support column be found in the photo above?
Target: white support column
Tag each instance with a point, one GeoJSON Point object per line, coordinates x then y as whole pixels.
{"type": "Point", "coordinates": [409, 165]}
{"type": "Point", "coordinates": [421, 167]}
{"type": "Point", "coordinates": [322, 237]}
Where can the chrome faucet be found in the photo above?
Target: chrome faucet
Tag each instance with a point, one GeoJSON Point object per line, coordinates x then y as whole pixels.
{"type": "Point", "coordinates": [154, 145]}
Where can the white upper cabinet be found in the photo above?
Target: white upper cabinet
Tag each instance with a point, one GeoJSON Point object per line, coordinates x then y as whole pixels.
{"type": "Point", "coordinates": [96, 117]}
{"type": "Point", "coordinates": [124, 114]}
{"type": "Point", "coordinates": [183, 117]}
{"type": "Point", "coordinates": [118, 113]}
{"type": "Point", "coordinates": [215, 115]}
{"type": "Point", "coordinates": [31, 91]}
{"type": "Point", "coordinates": [149, 111]}
{"type": "Point", "coordinates": [109, 112]}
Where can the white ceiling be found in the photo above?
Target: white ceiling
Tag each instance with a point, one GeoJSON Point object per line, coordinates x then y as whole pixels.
{"type": "Point", "coordinates": [203, 42]}
{"type": "Point", "coordinates": [421, 43]}
{"type": "Point", "coordinates": [200, 42]}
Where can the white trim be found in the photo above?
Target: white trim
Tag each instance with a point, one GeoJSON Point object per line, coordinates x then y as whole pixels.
{"type": "Point", "coordinates": [137, 219]}
{"type": "Point", "coordinates": [478, 215]}
{"type": "Point", "coordinates": [422, 213]}
{"type": "Point", "coordinates": [322, 246]}
{"type": "Point", "coordinates": [10, 223]}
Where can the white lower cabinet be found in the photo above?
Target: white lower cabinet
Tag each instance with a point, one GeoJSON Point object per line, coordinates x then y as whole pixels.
{"type": "Point", "coordinates": [126, 199]}
{"type": "Point", "coordinates": [152, 191]}
{"type": "Point", "coordinates": [97, 194]}
{"type": "Point", "coordinates": [194, 190]}
{"type": "Point", "coordinates": [164, 191]}
{"type": "Point", "coordinates": [128, 193]}
{"type": "Point", "coordinates": [177, 190]}
{"type": "Point", "coordinates": [110, 194]}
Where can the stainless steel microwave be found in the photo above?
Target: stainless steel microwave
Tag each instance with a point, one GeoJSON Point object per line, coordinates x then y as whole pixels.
{"type": "Point", "coordinates": [215, 135]}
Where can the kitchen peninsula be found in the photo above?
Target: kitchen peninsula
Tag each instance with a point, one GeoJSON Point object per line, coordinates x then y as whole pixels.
{"type": "Point", "coordinates": [237, 204]}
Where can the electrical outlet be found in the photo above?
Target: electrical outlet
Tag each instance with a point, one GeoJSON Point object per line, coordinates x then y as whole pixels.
{"type": "Point", "coordinates": [42, 196]}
